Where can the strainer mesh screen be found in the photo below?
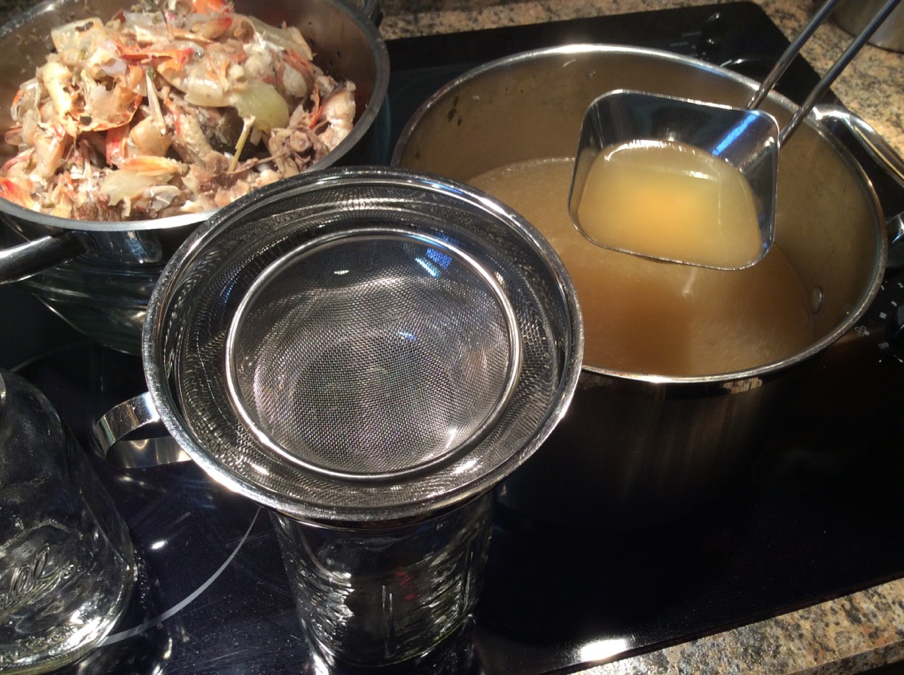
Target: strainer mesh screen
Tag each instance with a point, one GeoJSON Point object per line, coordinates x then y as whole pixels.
{"type": "Point", "coordinates": [372, 354]}
{"type": "Point", "coordinates": [204, 301]}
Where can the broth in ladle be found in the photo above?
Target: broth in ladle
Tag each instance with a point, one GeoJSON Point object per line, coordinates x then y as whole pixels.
{"type": "Point", "coordinates": [672, 201]}
{"type": "Point", "coordinates": [650, 317]}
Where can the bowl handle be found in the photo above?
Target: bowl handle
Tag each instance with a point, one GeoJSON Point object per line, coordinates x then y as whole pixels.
{"type": "Point", "coordinates": [124, 419]}
{"type": "Point", "coordinates": [24, 260]}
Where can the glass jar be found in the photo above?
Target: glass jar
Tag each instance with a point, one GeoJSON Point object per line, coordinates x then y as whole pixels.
{"type": "Point", "coordinates": [66, 560]}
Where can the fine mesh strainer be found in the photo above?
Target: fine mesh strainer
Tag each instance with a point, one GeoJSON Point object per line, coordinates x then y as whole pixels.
{"type": "Point", "coordinates": [372, 353]}
{"type": "Point", "coordinates": [362, 345]}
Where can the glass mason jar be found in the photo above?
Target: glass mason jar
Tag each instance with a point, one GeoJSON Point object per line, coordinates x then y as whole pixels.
{"type": "Point", "coordinates": [66, 560]}
{"type": "Point", "coordinates": [380, 595]}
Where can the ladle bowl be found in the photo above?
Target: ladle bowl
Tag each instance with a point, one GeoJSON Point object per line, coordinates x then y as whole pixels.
{"type": "Point", "coordinates": [747, 139]}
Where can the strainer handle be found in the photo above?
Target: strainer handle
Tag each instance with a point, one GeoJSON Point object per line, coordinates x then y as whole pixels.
{"type": "Point", "coordinates": [126, 418]}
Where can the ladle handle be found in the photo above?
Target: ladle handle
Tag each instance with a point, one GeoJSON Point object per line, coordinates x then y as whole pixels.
{"type": "Point", "coordinates": [831, 75]}
{"type": "Point", "coordinates": [790, 54]}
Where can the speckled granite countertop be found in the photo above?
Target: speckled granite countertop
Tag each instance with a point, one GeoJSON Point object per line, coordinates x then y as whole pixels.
{"type": "Point", "coordinates": [853, 633]}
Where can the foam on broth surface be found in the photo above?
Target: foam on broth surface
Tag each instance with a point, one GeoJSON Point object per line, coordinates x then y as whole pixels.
{"type": "Point", "coordinates": [652, 317]}
{"type": "Point", "coordinates": [672, 201]}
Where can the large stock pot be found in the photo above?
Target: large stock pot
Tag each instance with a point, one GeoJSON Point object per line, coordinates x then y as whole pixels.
{"type": "Point", "coordinates": [639, 448]}
{"type": "Point", "coordinates": [99, 276]}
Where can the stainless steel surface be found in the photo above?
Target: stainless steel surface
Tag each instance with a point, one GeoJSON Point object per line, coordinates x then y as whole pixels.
{"type": "Point", "coordinates": [196, 300]}
{"type": "Point", "coordinates": [202, 553]}
{"type": "Point", "coordinates": [66, 560]}
{"type": "Point", "coordinates": [413, 320]}
{"type": "Point", "coordinates": [831, 116]}
{"type": "Point", "coordinates": [20, 262]}
{"type": "Point", "coordinates": [363, 506]}
{"type": "Point", "coordinates": [852, 15]}
{"type": "Point", "coordinates": [347, 44]}
{"type": "Point", "coordinates": [639, 448]}
{"type": "Point", "coordinates": [790, 53]}
{"type": "Point", "coordinates": [126, 418]}
{"type": "Point", "coordinates": [858, 134]}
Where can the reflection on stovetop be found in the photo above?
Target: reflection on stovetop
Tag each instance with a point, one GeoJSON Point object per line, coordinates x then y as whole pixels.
{"type": "Point", "coordinates": [811, 521]}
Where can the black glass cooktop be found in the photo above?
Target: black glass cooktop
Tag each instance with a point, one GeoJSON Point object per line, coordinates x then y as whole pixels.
{"type": "Point", "coordinates": [818, 517]}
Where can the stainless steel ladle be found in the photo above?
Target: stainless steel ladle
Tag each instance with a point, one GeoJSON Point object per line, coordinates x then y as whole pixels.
{"type": "Point", "coordinates": [747, 138]}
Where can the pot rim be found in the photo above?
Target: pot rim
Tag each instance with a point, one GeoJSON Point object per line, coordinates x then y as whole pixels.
{"type": "Point", "coordinates": [363, 124]}
{"type": "Point", "coordinates": [754, 375]}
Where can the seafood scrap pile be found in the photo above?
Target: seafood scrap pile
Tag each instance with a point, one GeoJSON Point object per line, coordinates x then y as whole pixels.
{"type": "Point", "coordinates": [177, 109]}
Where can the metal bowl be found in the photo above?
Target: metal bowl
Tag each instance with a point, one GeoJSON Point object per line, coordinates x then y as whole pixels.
{"type": "Point", "coordinates": [98, 275]}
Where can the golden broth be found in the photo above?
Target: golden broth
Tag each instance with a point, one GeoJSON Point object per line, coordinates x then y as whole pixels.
{"type": "Point", "coordinates": [652, 317]}
{"type": "Point", "coordinates": [672, 201]}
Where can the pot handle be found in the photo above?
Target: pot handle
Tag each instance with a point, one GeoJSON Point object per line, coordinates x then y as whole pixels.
{"type": "Point", "coordinates": [24, 260]}
{"type": "Point", "coordinates": [874, 145]}
{"type": "Point", "coordinates": [126, 418]}
{"type": "Point", "coordinates": [882, 156]}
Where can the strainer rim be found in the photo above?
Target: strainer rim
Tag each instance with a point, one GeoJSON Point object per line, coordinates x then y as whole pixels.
{"type": "Point", "coordinates": [512, 370]}
{"type": "Point", "coordinates": [156, 373]}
